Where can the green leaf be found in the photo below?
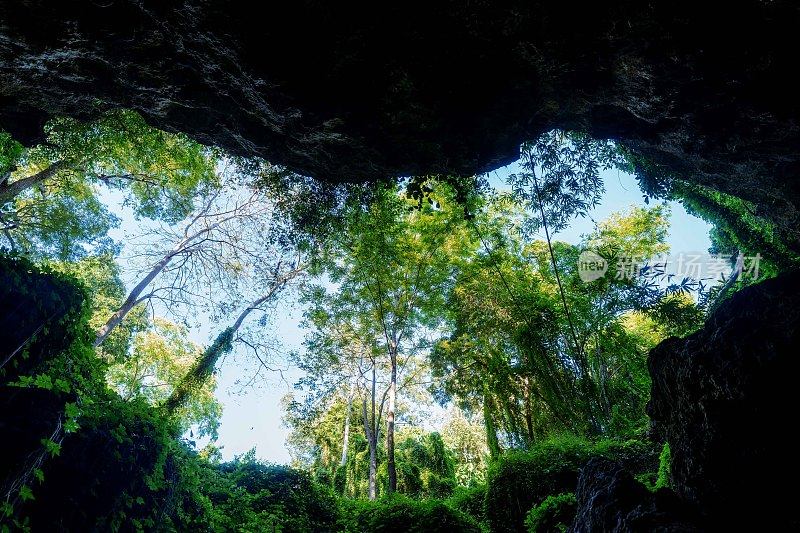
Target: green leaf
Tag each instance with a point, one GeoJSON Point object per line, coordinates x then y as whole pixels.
{"type": "Point", "coordinates": [62, 386]}
{"type": "Point", "coordinates": [71, 409]}
{"type": "Point", "coordinates": [26, 493]}
{"type": "Point", "coordinates": [43, 381]}
{"type": "Point", "coordinates": [53, 448]}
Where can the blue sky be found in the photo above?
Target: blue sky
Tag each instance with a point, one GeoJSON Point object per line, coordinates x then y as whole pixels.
{"type": "Point", "coordinates": [252, 414]}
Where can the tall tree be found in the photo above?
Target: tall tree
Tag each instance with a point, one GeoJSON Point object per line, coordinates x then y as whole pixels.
{"type": "Point", "coordinates": [343, 361]}
{"type": "Point", "coordinates": [512, 348]}
{"type": "Point", "coordinates": [392, 265]}
{"type": "Point", "coordinates": [467, 440]}
{"type": "Point", "coordinates": [204, 366]}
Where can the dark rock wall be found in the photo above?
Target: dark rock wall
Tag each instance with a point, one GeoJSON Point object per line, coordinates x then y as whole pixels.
{"type": "Point", "coordinates": [27, 415]}
{"type": "Point", "coordinates": [726, 400]}
{"type": "Point", "coordinates": [358, 90]}
{"type": "Point", "coordinates": [611, 500]}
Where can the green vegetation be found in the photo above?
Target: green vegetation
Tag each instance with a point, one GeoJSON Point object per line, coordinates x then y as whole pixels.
{"type": "Point", "coordinates": [555, 513]}
{"type": "Point", "coordinates": [521, 480]}
{"type": "Point", "coordinates": [50, 193]}
{"type": "Point", "coordinates": [457, 371]}
{"type": "Point", "coordinates": [399, 514]}
{"type": "Point", "coordinates": [664, 461]}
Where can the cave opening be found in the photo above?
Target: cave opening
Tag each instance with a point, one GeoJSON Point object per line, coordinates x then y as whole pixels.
{"type": "Point", "coordinates": [470, 266]}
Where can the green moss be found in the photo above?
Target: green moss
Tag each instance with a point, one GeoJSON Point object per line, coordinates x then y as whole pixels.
{"type": "Point", "coordinates": [664, 462]}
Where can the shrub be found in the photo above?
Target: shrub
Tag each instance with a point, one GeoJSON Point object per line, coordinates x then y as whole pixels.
{"type": "Point", "coordinates": [555, 513]}
{"type": "Point", "coordinates": [274, 497]}
{"type": "Point", "coordinates": [519, 480]}
{"type": "Point", "coordinates": [470, 501]}
{"type": "Point", "coordinates": [400, 514]}
{"type": "Point", "coordinates": [425, 468]}
{"type": "Point", "coordinates": [660, 478]}
{"type": "Point", "coordinates": [123, 466]}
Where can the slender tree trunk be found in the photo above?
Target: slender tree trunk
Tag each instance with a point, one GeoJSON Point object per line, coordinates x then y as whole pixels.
{"type": "Point", "coordinates": [135, 295]}
{"type": "Point", "coordinates": [602, 378]}
{"type": "Point", "coordinates": [8, 191]}
{"type": "Point", "coordinates": [346, 438]}
{"type": "Point", "coordinates": [526, 394]}
{"type": "Point", "coordinates": [204, 366]}
{"type": "Point", "coordinates": [371, 431]}
{"type": "Point", "coordinates": [390, 424]}
{"type": "Point", "coordinates": [199, 371]}
{"type": "Point", "coordinates": [373, 456]}
{"type": "Point", "coordinates": [511, 421]}
{"type": "Point", "coordinates": [131, 300]}
{"type": "Point", "coordinates": [579, 353]}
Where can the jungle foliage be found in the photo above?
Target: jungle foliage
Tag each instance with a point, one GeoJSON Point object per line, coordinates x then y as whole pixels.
{"type": "Point", "coordinates": [425, 298]}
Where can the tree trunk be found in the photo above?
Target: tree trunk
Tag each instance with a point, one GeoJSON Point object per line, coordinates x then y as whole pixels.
{"type": "Point", "coordinates": [390, 426]}
{"type": "Point", "coordinates": [8, 191]}
{"type": "Point", "coordinates": [199, 371]}
{"type": "Point", "coordinates": [135, 295]}
{"type": "Point", "coordinates": [373, 457]}
{"type": "Point", "coordinates": [373, 467]}
{"type": "Point", "coordinates": [526, 394]}
{"type": "Point", "coordinates": [371, 432]}
{"type": "Point", "coordinates": [131, 300]}
{"type": "Point", "coordinates": [602, 379]}
{"type": "Point", "coordinates": [512, 427]}
{"type": "Point", "coordinates": [491, 430]}
{"type": "Point", "coordinates": [346, 438]}
{"type": "Point", "coordinates": [205, 365]}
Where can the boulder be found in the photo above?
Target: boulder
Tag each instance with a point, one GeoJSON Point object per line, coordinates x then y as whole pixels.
{"type": "Point", "coordinates": [611, 500]}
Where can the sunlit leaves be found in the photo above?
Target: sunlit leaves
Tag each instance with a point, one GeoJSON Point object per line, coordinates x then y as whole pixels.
{"type": "Point", "coordinates": [160, 172]}
{"type": "Point", "coordinates": [56, 212]}
{"type": "Point", "coordinates": [101, 276]}
{"type": "Point", "coordinates": [10, 152]}
{"type": "Point", "coordinates": [562, 171]}
{"type": "Point", "coordinates": [62, 218]}
{"type": "Point", "coordinates": [161, 356]}
{"type": "Point", "coordinates": [509, 349]}
{"type": "Point", "coordinates": [738, 227]}
{"type": "Point", "coordinates": [389, 266]}
{"type": "Point", "coordinates": [467, 441]}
